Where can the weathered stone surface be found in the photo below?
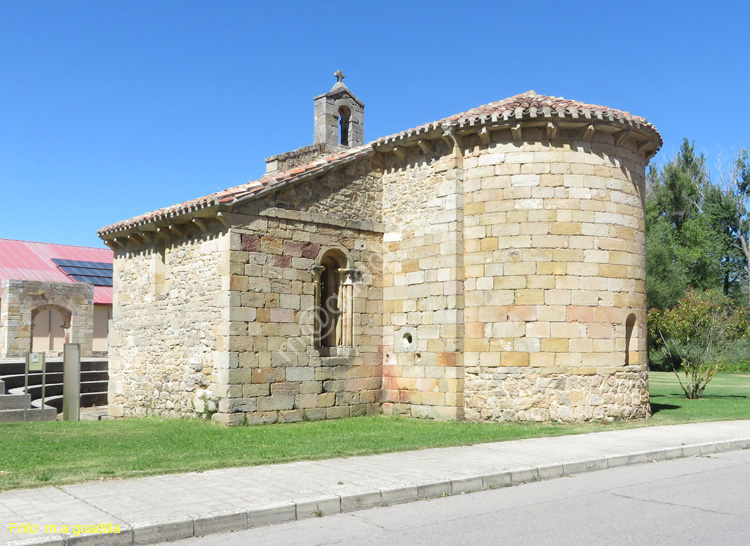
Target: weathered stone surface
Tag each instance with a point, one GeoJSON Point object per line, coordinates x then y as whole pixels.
{"type": "Point", "coordinates": [23, 299]}
{"type": "Point", "coordinates": [498, 276]}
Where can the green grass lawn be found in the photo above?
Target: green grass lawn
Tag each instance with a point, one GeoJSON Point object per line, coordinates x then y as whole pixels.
{"type": "Point", "coordinates": [727, 397]}
{"type": "Point", "coordinates": [54, 453]}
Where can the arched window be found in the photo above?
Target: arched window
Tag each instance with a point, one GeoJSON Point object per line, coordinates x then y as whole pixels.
{"type": "Point", "coordinates": [344, 115]}
{"type": "Point", "coordinates": [329, 309]}
{"type": "Point", "coordinates": [334, 294]}
{"type": "Point", "coordinates": [629, 326]}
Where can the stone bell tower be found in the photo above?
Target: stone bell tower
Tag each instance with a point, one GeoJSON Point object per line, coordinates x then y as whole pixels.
{"type": "Point", "coordinates": [339, 125]}
{"type": "Point", "coordinates": [339, 116]}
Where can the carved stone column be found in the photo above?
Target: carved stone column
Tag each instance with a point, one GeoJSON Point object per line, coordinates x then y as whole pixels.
{"type": "Point", "coordinates": [316, 271]}
{"type": "Point", "coordinates": [347, 307]}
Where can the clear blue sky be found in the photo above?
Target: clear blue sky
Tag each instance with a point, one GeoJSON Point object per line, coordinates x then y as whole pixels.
{"type": "Point", "coordinates": [109, 109]}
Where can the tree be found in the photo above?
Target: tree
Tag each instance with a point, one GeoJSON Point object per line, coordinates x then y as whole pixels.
{"type": "Point", "coordinates": [736, 193]}
{"type": "Point", "coordinates": [695, 336]}
{"type": "Point", "coordinates": [679, 244]}
{"type": "Point", "coordinates": [691, 234]}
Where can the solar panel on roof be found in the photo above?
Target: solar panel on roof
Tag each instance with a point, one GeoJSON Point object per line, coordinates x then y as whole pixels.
{"type": "Point", "coordinates": [96, 281]}
{"type": "Point", "coordinates": [96, 273]}
{"type": "Point", "coordinates": [77, 263]}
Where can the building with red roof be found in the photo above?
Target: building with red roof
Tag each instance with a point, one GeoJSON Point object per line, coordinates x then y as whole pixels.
{"type": "Point", "coordinates": [489, 266]}
{"type": "Point", "coordinates": [51, 294]}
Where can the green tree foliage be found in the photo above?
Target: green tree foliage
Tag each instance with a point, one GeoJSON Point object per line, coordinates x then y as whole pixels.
{"type": "Point", "coordinates": [691, 232]}
{"type": "Point", "coordinates": [735, 192]}
{"type": "Point", "coordinates": [696, 336]}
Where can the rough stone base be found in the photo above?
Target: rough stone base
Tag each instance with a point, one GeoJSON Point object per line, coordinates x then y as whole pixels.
{"type": "Point", "coordinates": [528, 394]}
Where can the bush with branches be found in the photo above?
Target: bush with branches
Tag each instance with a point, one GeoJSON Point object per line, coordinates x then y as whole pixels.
{"type": "Point", "coordinates": [696, 335]}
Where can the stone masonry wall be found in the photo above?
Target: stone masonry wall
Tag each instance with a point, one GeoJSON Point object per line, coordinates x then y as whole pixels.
{"type": "Point", "coordinates": [20, 298]}
{"type": "Point", "coordinates": [555, 279]}
{"type": "Point", "coordinates": [353, 192]}
{"type": "Point", "coordinates": [276, 373]}
{"type": "Point", "coordinates": [170, 325]}
{"type": "Point", "coordinates": [497, 278]}
{"type": "Point", "coordinates": [423, 284]}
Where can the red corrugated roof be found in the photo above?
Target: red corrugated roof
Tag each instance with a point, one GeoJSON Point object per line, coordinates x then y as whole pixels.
{"type": "Point", "coordinates": [31, 261]}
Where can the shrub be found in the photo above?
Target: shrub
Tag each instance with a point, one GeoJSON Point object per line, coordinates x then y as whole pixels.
{"type": "Point", "coordinates": [697, 335]}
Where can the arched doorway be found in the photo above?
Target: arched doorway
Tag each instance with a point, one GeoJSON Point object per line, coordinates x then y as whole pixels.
{"type": "Point", "coordinates": [49, 328]}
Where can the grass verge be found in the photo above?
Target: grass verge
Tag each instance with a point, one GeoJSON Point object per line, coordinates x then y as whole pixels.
{"type": "Point", "coordinates": [56, 453]}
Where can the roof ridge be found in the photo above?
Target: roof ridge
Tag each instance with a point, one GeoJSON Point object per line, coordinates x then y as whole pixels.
{"type": "Point", "coordinates": [247, 189]}
{"type": "Point", "coordinates": [522, 106]}
{"type": "Point", "coordinates": [56, 244]}
{"type": "Point", "coordinates": [559, 106]}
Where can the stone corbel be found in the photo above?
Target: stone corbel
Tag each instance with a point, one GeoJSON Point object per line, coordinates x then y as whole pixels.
{"type": "Point", "coordinates": [588, 133]}
{"type": "Point", "coordinates": [146, 236]}
{"type": "Point", "coordinates": [136, 238]}
{"type": "Point", "coordinates": [644, 147]}
{"type": "Point", "coordinates": [201, 223]}
{"type": "Point", "coordinates": [114, 244]}
{"type": "Point", "coordinates": [163, 233]}
{"type": "Point", "coordinates": [451, 138]}
{"type": "Point", "coordinates": [449, 135]}
{"type": "Point", "coordinates": [425, 146]}
{"type": "Point", "coordinates": [174, 228]}
{"type": "Point", "coordinates": [647, 149]}
{"type": "Point", "coordinates": [516, 132]}
{"type": "Point", "coordinates": [622, 137]}
{"type": "Point", "coordinates": [111, 244]}
{"type": "Point", "coordinates": [221, 218]}
{"type": "Point", "coordinates": [484, 135]}
{"type": "Point", "coordinates": [399, 151]}
{"type": "Point", "coordinates": [551, 130]}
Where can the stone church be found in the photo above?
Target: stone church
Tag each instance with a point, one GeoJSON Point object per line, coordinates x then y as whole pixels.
{"type": "Point", "coordinates": [488, 266]}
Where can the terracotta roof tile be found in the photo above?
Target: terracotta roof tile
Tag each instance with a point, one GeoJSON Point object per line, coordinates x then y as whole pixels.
{"type": "Point", "coordinates": [528, 105]}
{"type": "Point", "coordinates": [252, 188]}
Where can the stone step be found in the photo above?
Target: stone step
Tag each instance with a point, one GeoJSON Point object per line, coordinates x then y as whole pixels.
{"type": "Point", "coordinates": [16, 415]}
{"type": "Point", "coordinates": [13, 401]}
{"type": "Point", "coordinates": [88, 399]}
{"type": "Point", "coordinates": [17, 380]}
{"type": "Point", "coordinates": [52, 389]}
{"type": "Point", "coordinates": [18, 367]}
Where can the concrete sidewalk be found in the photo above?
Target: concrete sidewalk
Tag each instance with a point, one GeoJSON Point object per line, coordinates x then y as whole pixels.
{"type": "Point", "coordinates": [160, 508]}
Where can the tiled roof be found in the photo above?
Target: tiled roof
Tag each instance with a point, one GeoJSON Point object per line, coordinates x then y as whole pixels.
{"type": "Point", "coordinates": [528, 105]}
{"type": "Point", "coordinates": [525, 106]}
{"type": "Point", "coordinates": [32, 261]}
{"type": "Point", "coordinates": [246, 191]}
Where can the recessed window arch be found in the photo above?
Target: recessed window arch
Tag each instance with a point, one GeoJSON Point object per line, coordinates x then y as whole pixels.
{"type": "Point", "coordinates": [344, 118]}
{"type": "Point", "coordinates": [334, 299]}
{"type": "Point", "coordinates": [629, 327]}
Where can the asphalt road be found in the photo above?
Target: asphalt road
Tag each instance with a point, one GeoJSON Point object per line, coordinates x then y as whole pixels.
{"type": "Point", "coordinates": [698, 500]}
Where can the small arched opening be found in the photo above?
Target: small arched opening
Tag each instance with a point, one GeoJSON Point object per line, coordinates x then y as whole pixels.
{"type": "Point", "coordinates": [334, 300]}
{"type": "Point", "coordinates": [629, 327]}
{"type": "Point", "coordinates": [344, 118]}
{"type": "Point", "coordinates": [50, 326]}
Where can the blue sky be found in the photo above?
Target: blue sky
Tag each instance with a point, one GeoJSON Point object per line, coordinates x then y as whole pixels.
{"type": "Point", "coordinates": [109, 109]}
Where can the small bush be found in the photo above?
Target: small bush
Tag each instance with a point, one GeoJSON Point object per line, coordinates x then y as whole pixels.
{"type": "Point", "coordinates": [697, 336]}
